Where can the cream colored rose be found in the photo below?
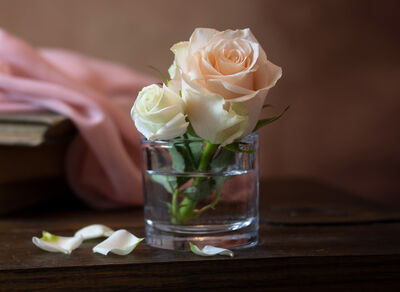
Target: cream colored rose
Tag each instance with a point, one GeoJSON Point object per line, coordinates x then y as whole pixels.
{"type": "Point", "coordinates": [158, 113]}
{"type": "Point", "coordinates": [225, 77]}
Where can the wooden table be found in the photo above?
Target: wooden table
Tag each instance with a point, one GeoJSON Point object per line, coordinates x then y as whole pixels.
{"type": "Point", "coordinates": [313, 237]}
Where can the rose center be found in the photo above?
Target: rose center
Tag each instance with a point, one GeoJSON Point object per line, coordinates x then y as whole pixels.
{"type": "Point", "coordinates": [234, 56]}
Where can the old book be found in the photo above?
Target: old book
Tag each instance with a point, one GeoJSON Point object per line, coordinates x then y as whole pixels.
{"type": "Point", "coordinates": [32, 158]}
{"type": "Point", "coordinates": [33, 129]}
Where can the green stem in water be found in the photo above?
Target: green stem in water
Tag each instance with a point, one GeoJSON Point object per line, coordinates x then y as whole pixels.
{"type": "Point", "coordinates": [186, 211]}
{"type": "Point", "coordinates": [206, 157]}
{"type": "Point", "coordinates": [174, 201]}
{"type": "Point", "coordinates": [187, 206]}
{"type": "Point", "coordinates": [211, 205]}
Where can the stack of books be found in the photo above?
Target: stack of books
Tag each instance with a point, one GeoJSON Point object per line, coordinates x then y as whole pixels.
{"type": "Point", "coordinates": [32, 158]}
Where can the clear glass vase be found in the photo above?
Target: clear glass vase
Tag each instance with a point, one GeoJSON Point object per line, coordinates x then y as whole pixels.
{"type": "Point", "coordinates": [200, 193]}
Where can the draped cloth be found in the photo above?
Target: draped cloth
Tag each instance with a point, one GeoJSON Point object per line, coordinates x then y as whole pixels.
{"type": "Point", "coordinates": [103, 161]}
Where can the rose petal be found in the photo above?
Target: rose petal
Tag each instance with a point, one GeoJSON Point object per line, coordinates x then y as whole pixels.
{"type": "Point", "coordinates": [210, 250]}
{"type": "Point", "coordinates": [54, 243]}
{"type": "Point", "coordinates": [212, 117]}
{"type": "Point", "coordinates": [267, 75]}
{"type": "Point", "coordinates": [121, 242]}
{"type": "Point", "coordinates": [94, 231]}
{"type": "Point", "coordinates": [171, 98]}
{"type": "Point", "coordinates": [173, 71]}
{"type": "Point", "coordinates": [144, 126]}
{"type": "Point", "coordinates": [205, 65]}
{"type": "Point", "coordinates": [180, 51]}
{"type": "Point", "coordinates": [227, 90]}
{"type": "Point", "coordinates": [254, 108]}
{"type": "Point", "coordinates": [253, 100]}
{"type": "Point", "coordinates": [175, 83]}
{"type": "Point", "coordinates": [200, 37]}
{"type": "Point", "coordinates": [244, 34]}
{"type": "Point", "coordinates": [174, 128]}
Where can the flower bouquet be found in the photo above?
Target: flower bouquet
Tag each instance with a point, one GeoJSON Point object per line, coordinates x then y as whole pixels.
{"type": "Point", "coordinates": [200, 170]}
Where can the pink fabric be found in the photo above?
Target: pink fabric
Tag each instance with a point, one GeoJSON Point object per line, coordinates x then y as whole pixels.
{"type": "Point", "coordinates": [103, 163]}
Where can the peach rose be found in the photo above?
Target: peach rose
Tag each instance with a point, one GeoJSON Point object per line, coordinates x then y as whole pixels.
{"type": "Point", "coordinates": [225, 77]}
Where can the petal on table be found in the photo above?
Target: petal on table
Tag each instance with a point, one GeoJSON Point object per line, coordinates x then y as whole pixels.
{"type": "Point", "coordinates": [121, 242]}
{"type": "Point", "coordinates": [94, 231]}
{"type": "Point", "coordinates": [209, 251]}
{"type": "Point", "coordinates": [54, 243]}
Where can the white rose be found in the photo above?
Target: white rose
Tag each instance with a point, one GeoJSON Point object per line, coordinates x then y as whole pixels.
{"type": "Point", "coordinates": [225, 77]}
{"type": "Point", "coordinates": [158, 113]}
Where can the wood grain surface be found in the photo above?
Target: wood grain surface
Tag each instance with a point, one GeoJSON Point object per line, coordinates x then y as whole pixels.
{"type": "Point", "coordinates": [329, 241]}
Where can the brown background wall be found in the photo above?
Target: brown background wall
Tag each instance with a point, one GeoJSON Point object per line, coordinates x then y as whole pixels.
{"type": "Point", "coordinates": [339, 58]}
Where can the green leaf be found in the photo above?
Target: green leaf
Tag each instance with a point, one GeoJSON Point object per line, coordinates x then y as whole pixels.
{"type": "Point", "coordinates": [262, 123]}
{"type": "Point", "coordinates": [179, 157]}
{"type": "Point", "coordinates": [165, 79]}
{"type": "Point", "coordinates": [219, 183]}
{"type": "Point", "coordinates": [167, 181]}
{"type": "Point", "coordinates": [223, 159]}
{"type": "Point", "coordinates": [186, 155]}
{"type": "Point", "coordinates": [236, 147]}
{"type": "Point", "coordinates": [183, 159]}
{"type": "Point", "coordinates": [267, 105]}
{"type": "Point", "coordinates": [196, 150]}
{"type": "Point", "coordinates": [201, 191]}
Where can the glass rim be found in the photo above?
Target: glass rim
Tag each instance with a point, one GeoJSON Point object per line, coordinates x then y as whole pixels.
{"type": "Point", "coordinates": [143, 140]}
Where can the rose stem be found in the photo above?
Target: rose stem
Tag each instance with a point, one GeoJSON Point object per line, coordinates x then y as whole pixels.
{"type": "Point", "coordinates": [174, 203]}
{"type": "Point", "coordinates": [187, 205]}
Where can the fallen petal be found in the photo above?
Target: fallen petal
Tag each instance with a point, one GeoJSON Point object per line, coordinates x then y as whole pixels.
{"type": "Point", "coordinates": [121, 242]}
{"type": "Point", "coordinates": [94, 231]}
{"type": "Point", "coordinates": [209, 250]}
{"type": "Point", "coordinates": [53, 243]}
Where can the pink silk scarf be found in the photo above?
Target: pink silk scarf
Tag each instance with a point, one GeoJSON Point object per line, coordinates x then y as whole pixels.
{"type": "Point", "coordinates": [103, 162]}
